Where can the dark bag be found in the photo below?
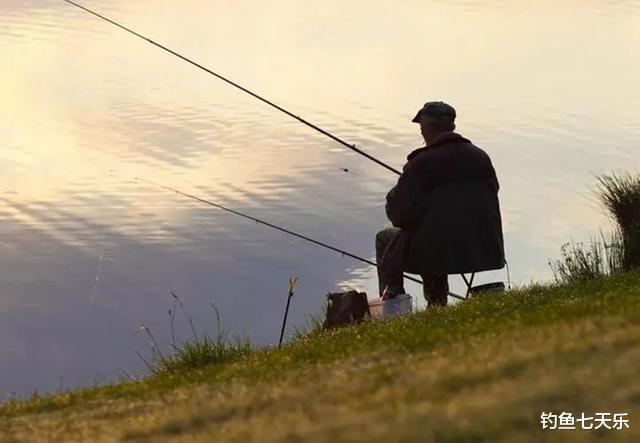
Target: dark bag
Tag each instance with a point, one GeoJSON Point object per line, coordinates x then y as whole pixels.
{"type": "Point", "coordinates": [344, 308]}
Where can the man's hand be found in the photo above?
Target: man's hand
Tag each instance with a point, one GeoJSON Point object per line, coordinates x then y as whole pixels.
{"type": "Point", "coordinates": [406, 201]}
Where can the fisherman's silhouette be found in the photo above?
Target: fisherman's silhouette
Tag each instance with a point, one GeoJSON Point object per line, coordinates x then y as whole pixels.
{"type": "Point", "coordinates": [444, 210]}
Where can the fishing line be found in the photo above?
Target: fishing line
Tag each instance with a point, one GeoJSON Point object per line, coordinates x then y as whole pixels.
{"type": "Point", "coordinates": [236, 85]}
{"type": "Point", "coordinates": [268, 224]}
{"type": "Point", "coordinates": [268, 102]}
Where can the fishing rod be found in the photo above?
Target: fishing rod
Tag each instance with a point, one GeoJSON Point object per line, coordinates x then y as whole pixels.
{"type": "Point", "coordinates": [273, 105]}
{"type": "Point", "coordinates": [266, 223]}
{"type": "Point", "coordinates": [236, 85]}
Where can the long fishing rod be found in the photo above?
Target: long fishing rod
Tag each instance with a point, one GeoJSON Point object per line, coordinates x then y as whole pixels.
{"type": "Point", "coordinates": [270, 103]}
{"type": "Point", "coordinates": [236, 85]}
{"type": "Point", "coordinates": [266, 223]}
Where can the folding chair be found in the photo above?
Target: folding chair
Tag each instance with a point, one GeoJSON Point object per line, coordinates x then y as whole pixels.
{"type": "Point", "coordinates": [471, 290]}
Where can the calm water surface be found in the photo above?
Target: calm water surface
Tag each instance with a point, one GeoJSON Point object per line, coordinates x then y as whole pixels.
{"type": "Point", "coordinates": [549, 89]}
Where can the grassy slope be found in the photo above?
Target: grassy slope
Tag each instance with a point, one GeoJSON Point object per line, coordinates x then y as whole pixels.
{"type": "Point", "coordinates": [480, 371]}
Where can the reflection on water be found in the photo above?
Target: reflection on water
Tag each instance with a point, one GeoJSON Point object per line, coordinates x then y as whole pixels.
{"type": "Point", "coordinates": [89, 253]}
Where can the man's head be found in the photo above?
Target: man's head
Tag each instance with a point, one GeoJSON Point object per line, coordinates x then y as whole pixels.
{"type": "Point", "coordinates": [435, 118]}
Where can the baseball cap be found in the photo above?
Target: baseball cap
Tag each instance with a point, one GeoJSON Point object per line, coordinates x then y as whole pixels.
{"type": "Point", "coordinates": [435, 110]}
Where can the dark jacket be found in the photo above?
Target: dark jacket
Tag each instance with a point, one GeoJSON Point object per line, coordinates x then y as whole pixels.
{"type": "Point", "coordinates": [446, 204]}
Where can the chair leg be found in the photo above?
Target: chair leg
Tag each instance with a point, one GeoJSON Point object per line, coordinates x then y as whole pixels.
{"type": "Point", "coordinates": [469, 283]}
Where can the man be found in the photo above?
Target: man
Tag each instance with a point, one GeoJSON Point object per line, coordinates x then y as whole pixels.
{"type": "Point", "coordinates": [444, 210]}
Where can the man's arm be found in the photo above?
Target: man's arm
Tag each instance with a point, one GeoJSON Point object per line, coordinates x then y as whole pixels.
{"type": "Point", "coordinates": [406, 201]}
{"type": "Point", "coordinates": [494, 177]}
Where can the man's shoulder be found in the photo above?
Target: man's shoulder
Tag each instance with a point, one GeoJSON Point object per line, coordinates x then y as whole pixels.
{"type": "Point", "coordinates": [464, 145]}
{"type": "Point", "coordinates": [450, 138]}
{"type": "Point", "coordinates": [416, 152]}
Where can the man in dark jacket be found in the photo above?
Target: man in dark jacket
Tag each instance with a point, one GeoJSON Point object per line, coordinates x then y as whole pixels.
{"type": "Point", "coordinates": [444, 210]}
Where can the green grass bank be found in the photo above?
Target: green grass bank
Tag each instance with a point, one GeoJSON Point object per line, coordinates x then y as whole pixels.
{"type": "Point", "coordinates": [479, 371]}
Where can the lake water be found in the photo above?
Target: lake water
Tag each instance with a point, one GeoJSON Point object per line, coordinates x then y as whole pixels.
{"type": "Point", "coordinates": [548, 88]}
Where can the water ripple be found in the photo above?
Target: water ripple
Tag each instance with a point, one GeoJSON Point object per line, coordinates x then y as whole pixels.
{"type": "Point", "coordinates": [85, 109]}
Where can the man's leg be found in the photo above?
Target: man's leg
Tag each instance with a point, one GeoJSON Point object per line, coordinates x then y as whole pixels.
{"type": "Point", "coordinates": [435, 289]}
{"type": "Point", "coordinates": [390, 273]}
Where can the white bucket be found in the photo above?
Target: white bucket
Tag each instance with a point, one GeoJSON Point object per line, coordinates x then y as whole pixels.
{"type": "Point", "coordinates": [401, 304]}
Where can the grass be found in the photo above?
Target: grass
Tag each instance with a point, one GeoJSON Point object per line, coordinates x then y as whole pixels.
{"type": "Point", "coordinates": [619, 193]}
{"type": "Point", "coordinates": [201, 351]}
{"type": "Point", "coordinates": [601, 257]}
{"type": "Point", "coordinates": [483, 370]}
